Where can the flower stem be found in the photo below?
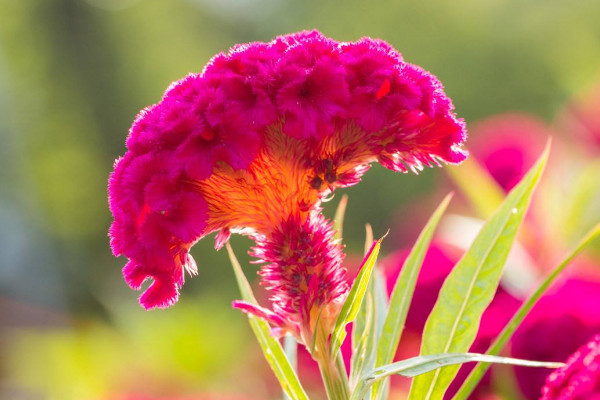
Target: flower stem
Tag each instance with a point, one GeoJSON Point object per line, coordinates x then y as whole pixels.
{"type": "Point", "coordinates": [333, 371]}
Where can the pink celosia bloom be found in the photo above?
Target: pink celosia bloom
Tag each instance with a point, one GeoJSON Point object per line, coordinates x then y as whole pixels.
{"type": "Point", "coordinates": [560, 322]}
{"type": "Point", "coordinates": [579, 379]}
{"type": "Point", "coordinates": [253, 144]}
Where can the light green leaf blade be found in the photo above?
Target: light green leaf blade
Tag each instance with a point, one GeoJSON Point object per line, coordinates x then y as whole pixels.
{"type": "Point", "coordinates": [381, 300]}
{"type": "Point", "coordinates": [360, 321]}
{"type": "Point", "coordinates": [290, 347]}
{"type": "Point", "coordinates": [363, 341]}
{"type": "Point", "coordinates": [271, 348]}
{"type": "Point", "coordinates": [403, 292]}
{"type": "Point", "coordinates": [363, 356]}
{"type": "Point", "coordinates": [338, 219]}
{"type": "Point", "coordinates": [354, 300]}
{"type": "Point", "coordinates": [582, 202]}
{"type": "Point", "coordinates": [470, 287]}
{"type": "Point", "coordinates": [423, 364]}
{"type": "Point", "coordinates": [361, 346]}
{"type": "Point", "coordinates": [477, 373]}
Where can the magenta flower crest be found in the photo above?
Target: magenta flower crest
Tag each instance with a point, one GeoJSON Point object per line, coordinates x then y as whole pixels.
{"type": "Point", "coordinates": [253, 144]}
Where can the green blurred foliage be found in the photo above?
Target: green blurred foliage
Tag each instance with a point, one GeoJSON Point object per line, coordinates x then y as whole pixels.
{"type": "Point", "coordinates": [74, 73]}
{"type": "Point", "coordinates": [193, 348]}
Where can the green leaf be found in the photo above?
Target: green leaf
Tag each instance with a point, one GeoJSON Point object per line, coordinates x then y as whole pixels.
{"type": "Point", "coordinates": [271, 348]}
{"type": "Point", "coordinates": [354, 300]}
{"type": "Point", "coordinates": [403, 292]}
{"type": "Point", "coordinates": [470, 287]}
{"type": "Point", "coordinates": [338, 219]}
{"type": "Point", "coordinates": [362, 340]}
{"type": "Point", "coordinates": [363, 322]}
{"type": "Point", "coordinates": [363, 356]}
{"type": "Point", "coordinates": [482, 191]}
{"type": "Point", "coordinates": [360, 321]}
{"type": "Point", "coordinates": [381, 300]}
{"type": "Point", "coordinates": [582, 201]}
{"type": "Point", "coordinates": [290, 347]}
{"type": "Point", "coordinates": [423, 364]}
{"type": "Point", "coordinates": [361, 346]}
{"type": "Point", "coordinates": [477, 373]}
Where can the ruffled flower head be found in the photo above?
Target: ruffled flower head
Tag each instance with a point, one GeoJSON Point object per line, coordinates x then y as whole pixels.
{"type": "Point", "coordinates": [253, 144]}
{"type": "Point", "coordinates": [579, 379]}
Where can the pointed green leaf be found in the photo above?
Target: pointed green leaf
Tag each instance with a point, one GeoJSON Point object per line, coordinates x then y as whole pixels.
{"type": "Point", "coordinates": [271, 348]}
{"type": "Point", "coordinates": [403, 292]}
{"type": "Point", "coordinates": [582, 202]}
{"type": "Point", "coordinates": [477, 373]}
{"type": "Point", "coordinates": [470, 287]}
{"type": "Point", "coordinates": [360, 321]}
{"type": "Point", "coordinates": [381, 300]}
{"type": "Point", "coordinates": [338, 219]}
{"type": "Point", "coordinates": [363, 356]}
{"type": "Point", "coordinates": [420, 365]}
{"type": "Point", "coordinates": [362, 340]}
{"type": "Point", "coordinates": [354, 300]}
{"type": "Point", "coordinates": [361, 346]}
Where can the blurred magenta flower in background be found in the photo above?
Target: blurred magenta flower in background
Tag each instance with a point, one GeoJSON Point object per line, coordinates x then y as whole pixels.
{"type": "Point", "coordinates": [507, 145]}
{"type": "Point", "coordinates": [564, 319]}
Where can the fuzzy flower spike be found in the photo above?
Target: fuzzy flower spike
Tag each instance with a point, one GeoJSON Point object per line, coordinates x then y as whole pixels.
{"type": "Point", "coordinates": [252, 145]}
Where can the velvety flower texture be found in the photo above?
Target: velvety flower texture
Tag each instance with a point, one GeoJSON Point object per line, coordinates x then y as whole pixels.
{"type": "Point", "coordinates": [253, 144]}
{"type": "Point", "coordinates": [579, 379]}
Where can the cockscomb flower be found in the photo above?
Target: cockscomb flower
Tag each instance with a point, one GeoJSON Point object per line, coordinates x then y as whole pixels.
{"type": "Point", "coordinates": [579, 379]}
{"type": "Point", "coordinates": [253, 144]}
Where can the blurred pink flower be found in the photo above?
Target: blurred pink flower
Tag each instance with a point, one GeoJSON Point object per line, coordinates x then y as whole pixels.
{"type": "Point", "coordinates": [252, 145]}
{"type": "Point", "coordinates": [507, 145]}
{"type": "Point", "coordinates": [579, 379]}
{"type": "Point", "coordinates": [564, 319]}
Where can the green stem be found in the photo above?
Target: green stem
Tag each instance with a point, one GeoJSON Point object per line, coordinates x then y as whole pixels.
{"type": "Point", "coordinates": [290, 346]}
{"type": "Point", "coordinates": [333, 372]}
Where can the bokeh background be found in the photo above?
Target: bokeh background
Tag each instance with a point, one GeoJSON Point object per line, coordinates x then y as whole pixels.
{"type": "Point", "coordinates": [73, 75]}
